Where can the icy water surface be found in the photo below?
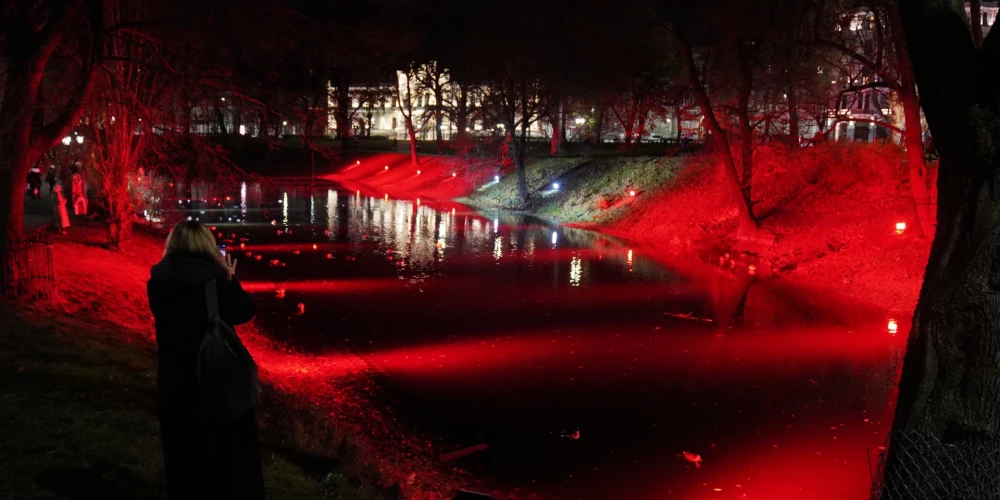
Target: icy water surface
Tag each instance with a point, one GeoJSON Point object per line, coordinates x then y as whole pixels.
{"type": "Point", "coordinates": [565, 351]}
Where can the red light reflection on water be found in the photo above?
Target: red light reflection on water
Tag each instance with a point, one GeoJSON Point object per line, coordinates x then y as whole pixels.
{"type": "Point", "coordinates": [320, 286]}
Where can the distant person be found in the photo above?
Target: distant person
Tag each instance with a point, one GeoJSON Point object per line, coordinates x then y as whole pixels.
{"type": "Point", "coordinates": [60, 213]}
{"type": "Point", "coordinates": [206, 456]}
{"type": "Point", "coordinates": [51, 179]}
{"type": "Point", "coordinates": [79, 192]}
{"type": "Point", "coordinates": [35, 182]}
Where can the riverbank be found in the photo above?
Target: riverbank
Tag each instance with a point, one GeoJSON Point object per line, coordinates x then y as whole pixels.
{"type": "Point", "coordinates": [78, 398]}
{"type": "Point", "coordinates": [833, 210]}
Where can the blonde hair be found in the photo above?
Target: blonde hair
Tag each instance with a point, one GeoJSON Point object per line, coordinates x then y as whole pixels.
{"type": "Point", "coordinates": [191, 237]}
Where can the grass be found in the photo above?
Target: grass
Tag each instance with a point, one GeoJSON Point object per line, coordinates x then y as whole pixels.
{"type": "Point", "coordinates": [590, 190]}
{"type": "Point", "coordinates": [540, 173]}
{"type": "Point", "coordinates": [78, 397]}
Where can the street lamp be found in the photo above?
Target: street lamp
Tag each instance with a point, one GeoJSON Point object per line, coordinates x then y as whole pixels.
{"type": "Point", "coordinates": [67, 140]}
{"type": "Point", "coordinates": [79, 139]}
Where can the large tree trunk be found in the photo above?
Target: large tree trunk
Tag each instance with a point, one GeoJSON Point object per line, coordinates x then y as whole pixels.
{"type": "Point", "coordinates": [556, 122]}
{"type": "Point", "coordinates": [946, 432]}
{"type": "Point", "coordinates": [342, 115]}
{"type": "Point", "coordinates": [413, 141]}
{"type": "Point", "coordinates": [462, 114]}
{"type": "Point", "coordinates": [599, 123]}
{"type": "Point", "coordinates": [438, 111]}
{"type": "Point", "coordinates": [793, 115]}
{"type": "Point", "coordinates": [976, 21]}
{"type": "Point", "coordinates": [746, 129]}
{"type": "Point", "coordinates": [517, 149]}
{"type": "Point", "coordinates": [25, 136]}
{"type": "Point", "coordinates": [922, 177]}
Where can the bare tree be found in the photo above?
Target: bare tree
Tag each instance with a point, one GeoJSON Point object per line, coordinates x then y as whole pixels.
{"type": "Point", "coordinates": [747, 227]}
{"type": "Point", "coordinates": [408, 91]}
{"type": "Point", "coordinates": [517, 100]}
{"type": "Point", "coordinates": [128, 104]}
{"type": "Point", "coordinates": [868, 36]}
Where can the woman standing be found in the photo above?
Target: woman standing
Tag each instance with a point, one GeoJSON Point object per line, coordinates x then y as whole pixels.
{"type": "Point", "coordinates": [79, 194]}
{"type": "Point", "coordinates": [60, 213]}
{"type": "Point", "coordinates": [204, 455]}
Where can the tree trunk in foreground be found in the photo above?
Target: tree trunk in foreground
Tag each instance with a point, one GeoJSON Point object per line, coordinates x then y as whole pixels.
{"type": "Point", "coordinates": [923, 177]}
{"type": "Point", "coordinates": [945, 437]}
{"type": "Point", "coordinates": [26, 133]}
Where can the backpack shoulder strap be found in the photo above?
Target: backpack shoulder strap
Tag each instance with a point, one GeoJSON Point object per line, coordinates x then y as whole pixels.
{"type": "Point", "coordinates": [212, 299]}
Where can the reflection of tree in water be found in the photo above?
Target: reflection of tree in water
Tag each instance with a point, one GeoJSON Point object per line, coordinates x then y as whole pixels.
{"type": "Point", "coordinates": [729, 299]}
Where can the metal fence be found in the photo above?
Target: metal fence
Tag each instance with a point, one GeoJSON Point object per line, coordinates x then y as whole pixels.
{"type": "Point", "coordinates": [26, 268]}
{"type": "Point", "coordinates": [929, 469]}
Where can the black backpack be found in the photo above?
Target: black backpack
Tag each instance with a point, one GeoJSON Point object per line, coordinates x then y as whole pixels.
{"type": "Point", "coordinates": [227, 374]}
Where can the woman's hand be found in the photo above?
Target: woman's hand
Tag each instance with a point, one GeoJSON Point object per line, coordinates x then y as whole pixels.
{"type": "Point", "coordinates": [229, 264]}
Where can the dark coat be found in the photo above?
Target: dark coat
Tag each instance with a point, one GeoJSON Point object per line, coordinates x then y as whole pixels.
{"type": "Point", "coordinates": [202, 458]}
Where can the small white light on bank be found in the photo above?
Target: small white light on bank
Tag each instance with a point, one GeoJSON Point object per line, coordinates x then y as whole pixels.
{"type": "Point", "coordinates": [631, 193]}
{"type": "Point", "coordinates": [79, 139]}
{"type": "Point", "coordinates": [555, 186]}
{"type": "Point", "coordinates": [418, 172]}
{"type": "Point", "coordinates": [387, 167]}
{"type": "Point", "coordinates": [893, 327]}
{"type": "Point", "coordinates": [555, 237]}
{"type": "Point", "coordinates": [453, 174]}
{"type": "Point", "coordinates": [284, 123]}
{"type": "Point", "coordinates": [67, 140]}
{"type": "Point", "coordinates": [900, 227]}
{"type": "Point", "coordinates": [496, 178]}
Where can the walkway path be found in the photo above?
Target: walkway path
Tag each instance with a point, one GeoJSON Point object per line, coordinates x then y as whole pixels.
{"type": "Point", "coordinates": [37, 213]}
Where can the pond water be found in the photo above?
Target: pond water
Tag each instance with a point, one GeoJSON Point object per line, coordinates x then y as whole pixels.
{"type": "Point", "coordinates": [588, 369]}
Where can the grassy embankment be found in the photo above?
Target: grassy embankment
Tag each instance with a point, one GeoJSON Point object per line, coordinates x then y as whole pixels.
{"type": "Point", "coordinates": [831, 208]}
{"type": "Point", "coordinates": [78, 396]}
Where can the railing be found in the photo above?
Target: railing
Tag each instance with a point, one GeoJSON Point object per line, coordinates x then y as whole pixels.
{"type": "Point", "coordinates": [26, 268]}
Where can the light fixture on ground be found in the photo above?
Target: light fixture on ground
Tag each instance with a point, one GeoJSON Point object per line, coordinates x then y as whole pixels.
{"type": "Point", "coordinates": [893, 327]}
{"type": "Point", "coordinates": [631, 193]}
{"type": "Point", "coordinates": [418, 172]}
{"type": "Point", "coordinates": [900, 227]}
{"type": "Point", "coordinates": [79, 139]}
{"type": "Point", "coordinates": [67, 140]}
{"type": "Point", "coordinates": [555, 186]}
{"type": "Point", "coordinates": [496, 178]}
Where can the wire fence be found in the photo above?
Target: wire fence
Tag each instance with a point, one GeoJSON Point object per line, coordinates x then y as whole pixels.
{"type": "Point", "coordinates": [26, 269]}
{"type": "Point", "coordinates": [925, 468]}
